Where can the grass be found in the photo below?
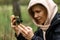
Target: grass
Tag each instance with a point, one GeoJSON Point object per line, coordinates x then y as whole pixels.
{"type": "Point", "coordinates": [59, 8]}
{"type": "Point", "coordinates": [6, 32]}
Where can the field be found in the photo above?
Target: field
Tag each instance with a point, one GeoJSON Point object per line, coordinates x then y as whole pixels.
{"type": "Point", "coordinates": [6, 32]}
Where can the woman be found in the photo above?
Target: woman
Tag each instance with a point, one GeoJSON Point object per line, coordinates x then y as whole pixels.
{"type": "Point", "coordinates": [44, 15]}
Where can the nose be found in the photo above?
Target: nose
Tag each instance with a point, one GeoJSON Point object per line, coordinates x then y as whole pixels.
{"type": "Point", "coordinates": [35, 15]}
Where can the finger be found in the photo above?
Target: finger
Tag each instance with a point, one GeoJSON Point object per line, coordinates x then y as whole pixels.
{"type": "Point", "coordinates": [29, 28]}
{"type": "Point", "coordinates": [12, 25]}
{"type": "Point", "coordinates": [23, 31]}
{"type": "Point", "coordinates": [16, 29]}
{"type": "Point", "coordinates": [12, 18]}
{"type": "Point", "coordinates": [14, 22]}
{"type": "Point", "coordinates": [24, 27]}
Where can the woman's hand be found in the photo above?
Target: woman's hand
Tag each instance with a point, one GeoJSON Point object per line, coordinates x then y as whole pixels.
{"type": "Point", "coordinates": [26, 31]}
{"type": "Point", "coordinates": [15, 27]}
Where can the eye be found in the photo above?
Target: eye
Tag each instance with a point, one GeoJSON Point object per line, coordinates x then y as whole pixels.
{"type": "Point", "coordinates": [38, 11]}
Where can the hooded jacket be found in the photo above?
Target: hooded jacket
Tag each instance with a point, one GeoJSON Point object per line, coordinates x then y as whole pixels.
{"type": "Point", "coordinates": [51, 9]}
{"type": "Point", "coordinates": [53, 22]}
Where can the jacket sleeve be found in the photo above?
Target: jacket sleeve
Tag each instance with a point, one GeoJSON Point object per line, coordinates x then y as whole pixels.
{"type": "Point", "coordinates": [20, 37]}
{"type": "Point", "coordinates": [56, 35]}
{"type": "Point", "coordinates": [38, 35]}
{"type": "Point", "coordinates": [36, 38]}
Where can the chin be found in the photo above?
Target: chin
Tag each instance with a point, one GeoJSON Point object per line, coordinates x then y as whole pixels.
{"type": "Point", "coordinates": [41, 23]}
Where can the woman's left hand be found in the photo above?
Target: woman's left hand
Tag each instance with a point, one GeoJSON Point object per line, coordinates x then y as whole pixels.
{"type": "Point", "coordinates": [27, 32]}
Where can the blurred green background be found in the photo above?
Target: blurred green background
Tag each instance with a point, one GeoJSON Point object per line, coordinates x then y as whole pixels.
{"type": "Point", "coordinates": [6, 32]}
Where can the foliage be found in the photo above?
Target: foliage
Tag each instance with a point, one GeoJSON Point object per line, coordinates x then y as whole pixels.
{"type": "Point", "coordinates": [57, 1]}
{"type": "Point", "coordinates": [22, 2]}
{"type": "Point", "coordinates": [7, 2]}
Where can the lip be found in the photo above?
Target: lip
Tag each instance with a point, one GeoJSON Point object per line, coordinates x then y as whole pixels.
{"type": "Point", "coordinates": [38, 18]}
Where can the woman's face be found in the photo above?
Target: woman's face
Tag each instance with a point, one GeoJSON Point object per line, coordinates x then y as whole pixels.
{"type": "Point", "coordinates": [40, 14]}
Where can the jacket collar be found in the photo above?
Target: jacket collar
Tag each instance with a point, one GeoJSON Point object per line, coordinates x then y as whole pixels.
{"type": "Point", "coordinates": [56, 19]}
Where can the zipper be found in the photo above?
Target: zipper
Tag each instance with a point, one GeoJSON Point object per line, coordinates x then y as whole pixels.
{"type": "Point", "coordinates": [44, 35]}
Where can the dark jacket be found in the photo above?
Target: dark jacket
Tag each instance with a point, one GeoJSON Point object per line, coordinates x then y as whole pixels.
{"type": "Point", "coordinates": [53, 32]}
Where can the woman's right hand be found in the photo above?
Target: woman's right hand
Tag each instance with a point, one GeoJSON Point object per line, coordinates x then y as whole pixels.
{"type": "Point", "coordinates": [26, 31]}
{"type": "Point", "coordinates": [15, 27]}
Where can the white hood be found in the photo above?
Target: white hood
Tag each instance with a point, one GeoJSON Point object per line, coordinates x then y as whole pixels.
{"type": "Point", "coordinates": [51, 8]}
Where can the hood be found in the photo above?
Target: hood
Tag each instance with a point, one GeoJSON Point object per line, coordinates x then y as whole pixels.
{"type": "Point", "coordinates": [49, 5]}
